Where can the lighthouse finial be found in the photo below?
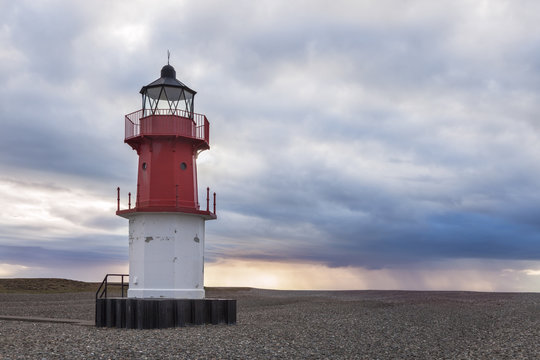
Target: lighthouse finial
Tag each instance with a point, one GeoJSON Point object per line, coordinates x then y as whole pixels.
{"type": "Point", "coordinates": [168, 56]}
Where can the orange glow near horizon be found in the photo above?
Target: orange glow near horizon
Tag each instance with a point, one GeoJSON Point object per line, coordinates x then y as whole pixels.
{"type": "Point", "coordinates": [311, 276]}
{"type": "Point", "coordinates": [278, 275]}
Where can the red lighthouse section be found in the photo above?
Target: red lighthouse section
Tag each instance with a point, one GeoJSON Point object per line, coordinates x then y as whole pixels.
{"type": "Point", "coordinates": [168, 136]}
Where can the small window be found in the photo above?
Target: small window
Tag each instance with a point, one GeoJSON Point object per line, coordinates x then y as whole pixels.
{"type": "Point", "coordinates": [183, 166]}
{"type": "Point", "coordinates": [144, 166]}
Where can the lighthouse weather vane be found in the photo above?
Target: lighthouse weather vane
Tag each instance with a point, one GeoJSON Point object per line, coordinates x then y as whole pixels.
{"type": "Point", "coordinates": [168, 56]}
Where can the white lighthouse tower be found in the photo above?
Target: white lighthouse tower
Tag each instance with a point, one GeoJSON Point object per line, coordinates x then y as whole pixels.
{"type": "Point", "coordinates": [166, 226]}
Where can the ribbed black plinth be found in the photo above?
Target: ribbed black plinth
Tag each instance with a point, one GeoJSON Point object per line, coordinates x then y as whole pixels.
{"type": "Point", "coordinates": [134, 313]}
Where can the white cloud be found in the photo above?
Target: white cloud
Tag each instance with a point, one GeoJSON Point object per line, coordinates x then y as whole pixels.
{"type": "Point", "coordinates": [10, 270]}
{"type": "Point", "coordinates": [531, 272]}
{"type": "Point", "coordinates": [44, 210]}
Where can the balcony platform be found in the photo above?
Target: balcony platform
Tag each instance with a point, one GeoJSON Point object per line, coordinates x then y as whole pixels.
{"type": "Point", "coordinates": [169, 123]}
{"type": "Point", "coordinates": [206, 214]}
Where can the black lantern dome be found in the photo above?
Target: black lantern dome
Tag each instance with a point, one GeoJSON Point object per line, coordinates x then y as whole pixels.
{"type": "Point", "coordinates": [167, 96]}
{"type": "Point", "coordinates": [168, 71]}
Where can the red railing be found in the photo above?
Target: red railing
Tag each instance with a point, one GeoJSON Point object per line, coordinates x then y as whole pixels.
{"type": "Point", "coordinates": [176, 186]}
{"type": "Point", "coordinates": [168, 122]}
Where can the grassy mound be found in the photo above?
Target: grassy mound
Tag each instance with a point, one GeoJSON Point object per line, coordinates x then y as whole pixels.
{"type": "Point", "coordinates": [44, 285]}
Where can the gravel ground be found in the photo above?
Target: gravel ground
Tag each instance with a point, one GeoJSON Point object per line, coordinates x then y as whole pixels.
{"type": "Point", "coordinates": [293, 325]}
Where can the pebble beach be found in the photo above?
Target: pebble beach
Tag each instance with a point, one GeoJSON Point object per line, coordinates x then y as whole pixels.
{"type": "Point", "coordinates": [291, 325]}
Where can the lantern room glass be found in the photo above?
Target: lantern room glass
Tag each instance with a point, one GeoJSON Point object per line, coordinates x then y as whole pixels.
{"type": "Point", "coordinates": [167, 96]}
{"type": "Point", "coordinates": [168, 100]}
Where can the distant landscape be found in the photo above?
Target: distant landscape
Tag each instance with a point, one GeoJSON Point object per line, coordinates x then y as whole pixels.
{"type": "Point", "coordinates": [59, 286]}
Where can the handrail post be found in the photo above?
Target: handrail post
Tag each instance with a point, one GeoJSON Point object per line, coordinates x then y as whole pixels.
{"type": "Point", "coordinates": [137, 198]}
{"type": "Point", "coordinates": [118, 198]}
{"type": "Point", "coordinates": [207, 198]}
{"type": "Point", "coordinates": [214, 203]}
{"type": "Point", "coordinates": [206, 130]}
{"type": "Point", "coordinates": [129, 200]}
{"type": "Point", "coordinates": [106, 284]}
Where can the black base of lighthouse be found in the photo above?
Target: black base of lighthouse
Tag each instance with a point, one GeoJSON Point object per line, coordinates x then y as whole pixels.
{"type": "Point", "coordinates": [135, 313]}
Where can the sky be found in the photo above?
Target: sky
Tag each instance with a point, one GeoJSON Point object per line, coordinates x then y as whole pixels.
{"type": "Point", "coordinates": [354, 144]}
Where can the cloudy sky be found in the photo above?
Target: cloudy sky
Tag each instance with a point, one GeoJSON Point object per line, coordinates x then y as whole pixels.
{"type": "Point", "coordinates": [354, 144]}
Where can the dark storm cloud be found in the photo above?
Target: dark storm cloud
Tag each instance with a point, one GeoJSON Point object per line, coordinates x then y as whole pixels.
{"type": "Point", "coordinates": [40, 146]}
{"type": "Point", "coordinates": [364, 226]}
{"type": "Point", "coordinates": [89, 250]}
{"type": "Point", "coordinates": [378, 135]}
{"type": "Point", "coordinates": [42, 256]}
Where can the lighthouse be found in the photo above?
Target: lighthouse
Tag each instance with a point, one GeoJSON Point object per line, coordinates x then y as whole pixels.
{"type": "Point", "coordinates": [166, 221]}
{"type": "Point", "coordinates": [167, 224]}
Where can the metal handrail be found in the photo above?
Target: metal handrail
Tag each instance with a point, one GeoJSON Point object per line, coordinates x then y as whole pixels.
{"type": "Point", "coordinates": [102, 290]}
{"type": "Point", "coordinates": [200, 125]}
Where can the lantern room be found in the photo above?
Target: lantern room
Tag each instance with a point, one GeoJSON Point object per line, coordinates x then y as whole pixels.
{"type": "Point", "coordinates": [167, 96]}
